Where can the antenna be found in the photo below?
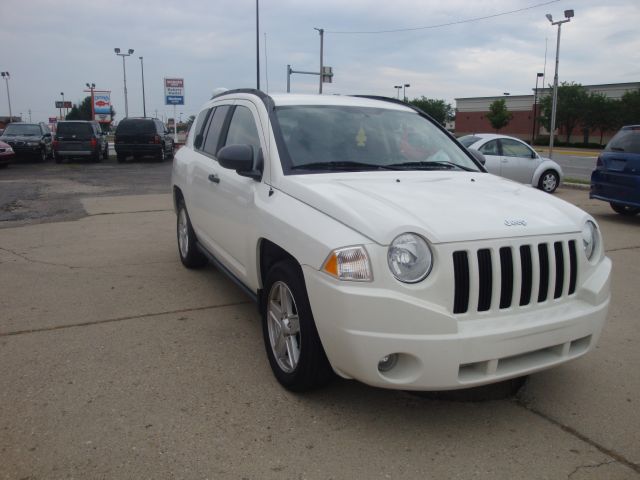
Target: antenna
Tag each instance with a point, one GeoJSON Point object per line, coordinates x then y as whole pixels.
{"type": "Point", "coordinates": [266, 66]}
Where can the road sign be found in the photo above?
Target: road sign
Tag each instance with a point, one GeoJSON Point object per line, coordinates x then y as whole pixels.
{"type": "Point", "coordinates": [174, 91]}
{"type": "Point", "coordinates": [53, 120]}
{"type": "Point", "coordinates": [65, 104]}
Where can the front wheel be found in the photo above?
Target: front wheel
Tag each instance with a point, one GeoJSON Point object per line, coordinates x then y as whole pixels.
{"type": "Point", "coordinates": [625, 209]}
{"type": "Point", "coordinates": [190, 256]}
{"type": "Point", "coordinates": [291, 339]}
{"type": "Point", "coordinates": [549, 181]}
{"type": "Point", "coordinates": [43, 155]}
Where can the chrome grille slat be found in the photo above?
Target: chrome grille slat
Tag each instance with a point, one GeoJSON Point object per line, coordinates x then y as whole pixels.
{"type": "Point", "coordinates": [515, 276]}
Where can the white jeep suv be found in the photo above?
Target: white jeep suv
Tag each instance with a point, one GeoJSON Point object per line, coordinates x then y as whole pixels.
{"type": "Point", "coordinates": [378, 248]}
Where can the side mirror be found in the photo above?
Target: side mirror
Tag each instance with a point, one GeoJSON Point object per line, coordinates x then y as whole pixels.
{"type": "Point", "coordinates": [240, 159]}
{"type": "Point", "coordinates": [478, 155]}
{"type": "Point", "coordinates": [47, 135]}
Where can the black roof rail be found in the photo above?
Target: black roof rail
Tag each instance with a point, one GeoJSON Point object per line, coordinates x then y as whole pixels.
{"type": "Point", "coordinates": [254, 91]}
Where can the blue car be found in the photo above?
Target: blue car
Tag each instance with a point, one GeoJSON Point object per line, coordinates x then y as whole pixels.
{"type": "Point", "coordinates": [616, 178]}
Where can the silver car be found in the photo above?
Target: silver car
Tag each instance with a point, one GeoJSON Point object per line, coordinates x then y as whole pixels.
{"type": "Point", "coordinates": [512, 158]}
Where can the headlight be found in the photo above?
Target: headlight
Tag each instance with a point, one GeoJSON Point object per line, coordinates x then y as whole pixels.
{"type": "Point", "coordinates": [409, 258]}
{"type": "Point", "coordinates": [350, 263]}
{"type": "Point", "coordinates": [590, 239]}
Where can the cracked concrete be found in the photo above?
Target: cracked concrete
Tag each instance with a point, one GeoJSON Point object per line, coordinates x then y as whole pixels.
{"type": "Point", "coordinates": [119, 363]}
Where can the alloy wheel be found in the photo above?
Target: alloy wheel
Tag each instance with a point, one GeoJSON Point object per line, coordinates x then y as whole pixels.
{"type": "Point", "coordinates": [284, 327]}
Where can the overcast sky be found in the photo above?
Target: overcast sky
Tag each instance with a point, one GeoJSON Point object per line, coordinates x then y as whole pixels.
{"type": "Point", "coordinates": [52, 47]}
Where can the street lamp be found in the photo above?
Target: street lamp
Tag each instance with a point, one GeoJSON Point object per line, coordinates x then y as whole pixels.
{"type": "Point", "coordinates": [404, 91]}
{"type": "Point", "coordinates": [568, 14]}
{"type": "Point", "coordinates": [92, 87]}
{"type": "Point", "coordinates": [65, 110]}
{"type": "Point", "coordinates": [535, 107]}
{"type": "Point", "coordinates": [321, 32]}
{"type": "Point", "coordinates": [144, 106]}
{"type": "Point", "coordinates": [124, 72]}
{"type": "Point", "coordinates": [6, 77]}
{"type": "Point", "coordinates": [398, 87]}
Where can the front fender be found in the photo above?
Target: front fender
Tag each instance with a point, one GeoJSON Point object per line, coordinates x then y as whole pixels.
{"type": "Point", "coordinates": [543, 167]}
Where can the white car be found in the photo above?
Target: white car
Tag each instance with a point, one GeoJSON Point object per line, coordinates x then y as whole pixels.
{"type": "Point", "coordinates": [512, 158]}
{"type": "Point", "coordinates": [378, 248]}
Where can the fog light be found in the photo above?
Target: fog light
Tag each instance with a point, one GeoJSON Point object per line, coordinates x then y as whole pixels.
{"type": "Point", "coordinates": [387, 362]}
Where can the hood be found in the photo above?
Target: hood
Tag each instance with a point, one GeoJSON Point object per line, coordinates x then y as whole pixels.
{"type": "Point", "coordinates": [442, 206]}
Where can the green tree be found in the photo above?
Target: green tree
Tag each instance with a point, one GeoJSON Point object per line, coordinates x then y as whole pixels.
{"type": "Point", "coordinates": [601, 113]}
{"type": "Point", "coordinates": [440, 110]}
{"type": "Point", "coordinates": [572, 102]}
{"type": "Point", "coordinates": [630, 108]}
{"type": "Point", "coordinates": [81, 111]}
{"type": "Point", "coordinates": [498, 115]}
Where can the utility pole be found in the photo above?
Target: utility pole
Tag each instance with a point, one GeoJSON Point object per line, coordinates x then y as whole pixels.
{"type": "Point", "coordinates": [124, 72]}
{"type": "Point", "coordinates": [6, 77]}
{"type": "Point", "coordinates": [257, 45]}
{"type": "Point", "coordinates": [321, 32]}
{"type": "Point", "coordinates": [144, 105]}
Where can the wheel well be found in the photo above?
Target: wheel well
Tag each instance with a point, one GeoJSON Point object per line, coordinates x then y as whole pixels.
{"type": "Point", "coordinates": [270, 254]}
{"type": "Point", "coordinates": [177, 197]}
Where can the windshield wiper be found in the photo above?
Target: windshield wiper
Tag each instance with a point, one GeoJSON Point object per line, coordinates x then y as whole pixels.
{"type": "Point", "coordinates": [434, 165]}
{"type": "Point", "coordinates": [342, 165]}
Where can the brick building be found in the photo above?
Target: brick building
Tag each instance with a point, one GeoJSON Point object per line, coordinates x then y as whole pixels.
{"type": "Point", "coordinates": [471, 113]}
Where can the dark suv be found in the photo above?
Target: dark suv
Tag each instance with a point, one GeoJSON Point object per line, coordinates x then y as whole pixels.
{"type": "Point", "coordinates": [29, 140]}
{"type": "Point", "coordinates": [616, 178]}
{"type": "Point", "coordinates": [143, 136]}
{"type": "Point", "coordinates": [80, 138]}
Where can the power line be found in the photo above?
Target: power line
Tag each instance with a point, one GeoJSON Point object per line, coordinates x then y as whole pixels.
{"type": "Point", "coordinates": [396, 30]}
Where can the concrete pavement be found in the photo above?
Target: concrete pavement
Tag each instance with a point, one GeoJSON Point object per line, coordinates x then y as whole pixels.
{"type": "Point", "coordinates": [116, 362]}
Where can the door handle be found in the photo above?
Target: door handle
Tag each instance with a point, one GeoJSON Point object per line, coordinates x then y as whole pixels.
{"type": "Point", "coordinates": [214, 178]}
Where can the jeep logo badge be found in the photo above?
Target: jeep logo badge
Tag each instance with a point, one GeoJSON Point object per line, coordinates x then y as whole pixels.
{"type": "Point", "coordinates": [514, 223]}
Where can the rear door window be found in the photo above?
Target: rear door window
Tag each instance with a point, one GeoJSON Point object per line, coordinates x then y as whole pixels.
{"type": "Point", "coordinates": [627, 140]}
{"type": "Point", "coordinates": [490, 148]}
{"type": "Point", "coordinates": [215, 127]}
{"type": "Point", "coordinates": [77, 130]}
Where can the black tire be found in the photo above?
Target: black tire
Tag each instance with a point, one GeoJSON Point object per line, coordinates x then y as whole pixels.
{"type": "Point", "coordinates": [3, 165]}
{"type": "Point", "coordinates": [190, 256]}
{"type": "Point", "coordinates": [171, 153]}
{"type": "Point", "coordinates": [121, 158]}
{"type": "Point", "coordinates": [549, 181]}
{"type": "Point", "coordinates": [97, 157]}
{"type": "Point", "coordinates": [58, 159]}
{"type": "Point", "coordinates": [312, 369]}
{"type": "Point", "coordinates": [43, 155]}
{"type": "Point", "coordinates": [162, 156]}
{"type": "Point", "coordinates": [625, 210]}
{"type": "Point", "coordinates": [106, 152]}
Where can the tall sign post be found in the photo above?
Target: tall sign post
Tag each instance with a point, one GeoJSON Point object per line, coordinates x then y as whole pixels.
{"type": "Point", "coordinates": [174, 95]}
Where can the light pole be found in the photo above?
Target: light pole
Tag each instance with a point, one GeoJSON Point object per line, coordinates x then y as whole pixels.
{"type": "Point", "coordinates": [404, 91]}
{"type": "Point", "coordinates": [535, 107]}
{"type": "Point", "coordinates": [63, 107]}
{"type": "Point", "coordinates": [397, 87]}
{"type": "Point", "coordinates": [568, 14]}
{"type": "Point", "coordinates": [124, 72]}
{"type": "Point", "coordinates": [6, 77]}
{"type": "Point", "coordinates": [144, 106]}
{"type": "Point", "coordinates": [92, 87]}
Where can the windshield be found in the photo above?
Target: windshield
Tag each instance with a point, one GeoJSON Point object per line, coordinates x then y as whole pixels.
{"type": "Point", "coordinates": [626, 140]}
{"type": "Point", "coordinates": [468, 140]}
{"type": "Point", "coordinates": [21, 129]}
{"type": "Point", "coordinates": [321, 138]}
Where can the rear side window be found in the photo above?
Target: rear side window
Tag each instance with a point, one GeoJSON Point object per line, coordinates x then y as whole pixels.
{"type": "Point", "coordinates": [198, 130]}
{"type": "Point", "coordinates": [215, 127]}
{"type": "Point", "coordinates": [135, 127]}
{"type": "Point", "coordinates": [468, 140]}
{"type": "Point", "coordinates": [79, 130]}
{"type": "Point", "coordinates": [627, 140]}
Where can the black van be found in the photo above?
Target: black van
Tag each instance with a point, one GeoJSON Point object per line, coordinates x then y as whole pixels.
{"type": "Point", "coordinates": [80, 138]}
{"type": "Point", "coordinates": [143, 136]}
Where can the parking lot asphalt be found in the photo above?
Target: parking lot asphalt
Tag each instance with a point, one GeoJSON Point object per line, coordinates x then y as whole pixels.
{"type": "Point", "coordinates": [116, 362]}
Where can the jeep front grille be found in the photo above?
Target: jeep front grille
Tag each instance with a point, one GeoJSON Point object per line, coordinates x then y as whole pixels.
{"type": "Point", "coordinates": [513, 276]}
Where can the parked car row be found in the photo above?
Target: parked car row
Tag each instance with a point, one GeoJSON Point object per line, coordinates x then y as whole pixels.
{"type": "Point", "coordinates": [81, 139]}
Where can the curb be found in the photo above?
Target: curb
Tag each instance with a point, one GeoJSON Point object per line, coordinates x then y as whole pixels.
{"type": "Point", "coordinates": [576, 186]}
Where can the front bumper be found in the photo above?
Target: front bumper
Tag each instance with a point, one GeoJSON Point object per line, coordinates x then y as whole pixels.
{"type": "Point", "coordinates": [27, 150]}
{"type": "Point", "coordinates": [358, 325]}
